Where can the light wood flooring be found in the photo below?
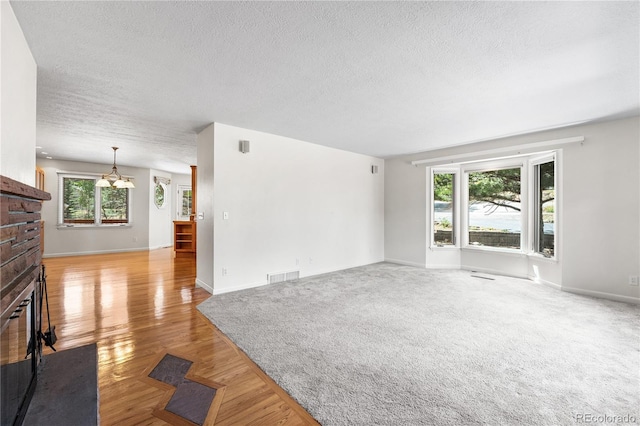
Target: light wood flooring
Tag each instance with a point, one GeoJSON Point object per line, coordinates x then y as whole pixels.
{"type": "Point", "coordinates": [138, 306]}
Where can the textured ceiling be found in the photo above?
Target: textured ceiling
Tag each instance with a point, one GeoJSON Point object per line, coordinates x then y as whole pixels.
{"type": "Point", "coordinates": [379, 78]}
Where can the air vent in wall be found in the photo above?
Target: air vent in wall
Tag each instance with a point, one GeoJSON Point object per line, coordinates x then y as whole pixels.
{"type": "Point", "coordinates": [283, 276]}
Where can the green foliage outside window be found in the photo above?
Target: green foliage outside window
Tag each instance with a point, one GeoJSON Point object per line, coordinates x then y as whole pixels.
{"type": "Point", "coordinates": [499, 188]}
{"type": "Point", "coordinates": [186, 202]}
{"type": "Point", "coordinates": [443, 187]}
{"type": "Point", "coordinates": [79, 202]}
{"type": "Point", "coordinates": [443, 195]}
{"type": "Point", "coordinates": [114, 205]}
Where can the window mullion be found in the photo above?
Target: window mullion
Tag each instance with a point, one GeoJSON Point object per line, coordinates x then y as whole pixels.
{"type": "Point", "coordinates": [98, 201]}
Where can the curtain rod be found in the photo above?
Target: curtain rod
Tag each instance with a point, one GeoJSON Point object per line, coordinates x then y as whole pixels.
{"type": "Point", "coordinates": [504, 150]}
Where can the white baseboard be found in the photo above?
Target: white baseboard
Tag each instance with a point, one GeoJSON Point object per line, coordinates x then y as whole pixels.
{"type": "Point", "coordinates": [160, 247]}
{"type": "Point", "coordinates": [316, 272]}
{"type": "Point", "coordinates": [545, 282]}
{"type": "Point", "coordinates": [86, 253]}
{"type": "Point", "coordinates": [238, 287]}
{"type": "Point", "coordinates": [404, 262]}
{"type": "Point", "coordinates": [602, 295]}
{"type": "Point", "coordinates": [444, 266]}
{"type": "Point", "coordinates": [204, 285]}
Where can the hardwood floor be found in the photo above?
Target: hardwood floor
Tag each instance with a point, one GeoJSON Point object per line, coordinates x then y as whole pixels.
{"type": "Point", "coordinates": [138, 306]}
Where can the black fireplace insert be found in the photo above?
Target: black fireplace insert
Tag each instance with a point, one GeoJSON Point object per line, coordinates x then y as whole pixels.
{"type": "Point", "coordinates": [18, 356]}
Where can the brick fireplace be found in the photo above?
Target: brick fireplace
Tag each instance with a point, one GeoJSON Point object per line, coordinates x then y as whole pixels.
{"type": "Point", "coordinates": [20, 259]}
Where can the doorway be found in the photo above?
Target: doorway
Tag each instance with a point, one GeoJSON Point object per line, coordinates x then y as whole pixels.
{"type": "Point", "coordinates": [184, 202]}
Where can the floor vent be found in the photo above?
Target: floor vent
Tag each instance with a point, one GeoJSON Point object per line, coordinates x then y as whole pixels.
{"type": "Point", "coordinates": [483, 276]}
{"type": "Point", "coordinates": [283, 276]}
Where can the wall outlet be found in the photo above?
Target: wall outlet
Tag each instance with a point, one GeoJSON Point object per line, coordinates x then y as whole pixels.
{"type": "Point", "coordinates": [224, 272]}
{"type": "Point", "coordinates": [310, 261]}
{"type": "Point", "coordinates": [633, 280]}
{"type": "Point", "coordinates": [225, 215]}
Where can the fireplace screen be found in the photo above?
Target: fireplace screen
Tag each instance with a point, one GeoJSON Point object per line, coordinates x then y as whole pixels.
{"type": "Point", "coordinates": [17, 357]}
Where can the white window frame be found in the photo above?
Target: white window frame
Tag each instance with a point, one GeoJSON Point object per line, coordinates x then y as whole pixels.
{"type": "Point", "coordinates": [98, 217]}
{"type": "Point", "coordinates": [534, 161]}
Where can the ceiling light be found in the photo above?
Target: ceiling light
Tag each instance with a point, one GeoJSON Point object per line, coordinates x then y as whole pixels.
{"type": "Point", "coordinates": [114, 178]}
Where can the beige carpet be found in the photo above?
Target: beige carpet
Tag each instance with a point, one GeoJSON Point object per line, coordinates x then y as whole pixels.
{"type": "Point", "coordinates": [387, 344]}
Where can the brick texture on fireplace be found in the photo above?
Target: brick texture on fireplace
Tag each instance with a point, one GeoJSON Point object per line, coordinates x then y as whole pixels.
{"type": "Point", "coordinates": [20, 253]}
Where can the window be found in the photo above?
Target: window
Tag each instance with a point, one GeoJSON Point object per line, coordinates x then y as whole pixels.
{"type": "Point", "coordinates": [494, 208]}
{"type": "Point", "coordinates": [544, 206]}
{"type": "Point", "coordinates": [82, 203]}
{"type": "Point", "coordinates": [185, 200]}
{"type": "Point", "coordinates": [78, 200]}
{"type": "Point", "coordinates": [443, 209]}
{"type": "Point", "coordinates": [114, 205]}
{"type": "Point", "coordinates": [509, 204]}
{"type": "Point", "coordinates": [159, 192]}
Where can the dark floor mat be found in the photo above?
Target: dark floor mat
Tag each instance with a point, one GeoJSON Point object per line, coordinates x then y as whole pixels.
{"type": "Point", "coordinates": [67, 389]}
{"type": "Point", "coordinates": [171, 370]}
{"type": "Point", "coordinates": [191, 400]}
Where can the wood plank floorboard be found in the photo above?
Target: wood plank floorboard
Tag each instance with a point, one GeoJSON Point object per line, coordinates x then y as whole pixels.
{"type": "Point", "coordinates": [138, 306]}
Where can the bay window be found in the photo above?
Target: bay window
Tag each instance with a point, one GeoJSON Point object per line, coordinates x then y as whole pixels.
{"type": "Point", "coordinates": [505, 204]}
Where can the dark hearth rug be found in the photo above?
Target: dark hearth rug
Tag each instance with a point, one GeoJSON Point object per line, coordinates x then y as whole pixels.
{"type": "Point", "coordinates": [67, 389]}
{"type": "Point", "coordinates": [191, 400]}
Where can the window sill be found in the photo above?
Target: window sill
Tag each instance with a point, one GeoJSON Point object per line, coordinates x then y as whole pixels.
{"type": "Point", "coordinates": [444, 247]}
{"type": "Point", "coordinates": [93, 226]}
{"type": "Point", "coordinates": [495, 250]}
{"type": "Point", "coordinates": [542, 258]}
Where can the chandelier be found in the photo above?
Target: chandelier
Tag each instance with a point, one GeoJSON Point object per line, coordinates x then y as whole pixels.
{"type": "Point", "coordinates": [114, 178]}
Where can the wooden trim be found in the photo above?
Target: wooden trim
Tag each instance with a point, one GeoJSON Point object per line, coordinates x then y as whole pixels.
{"type": "Point", "coordinates": [170, 417]}
{"type": "Point", "coordinates": [39, 178]}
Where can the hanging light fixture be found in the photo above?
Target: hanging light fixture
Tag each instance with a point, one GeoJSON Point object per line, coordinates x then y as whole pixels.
{"type": "Point", "coordinates": [114, 178]}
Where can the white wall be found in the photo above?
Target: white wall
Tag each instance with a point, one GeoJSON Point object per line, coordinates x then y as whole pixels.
{"type": "Point", "coordinates": [599, 230]}
{"type": "Point", "coordinates": [77, 240]}
{"type": "Point", "coordinates": [160, 219]}
{"type": "Point", "coordinates": [292, 205]}
{"type": "Point", "coordinates": [601, 210]}
{"type": "Point", "coordinates": [18, 101]}
{"type": "Point", "coordinates": [405, 230]}
{"type": "Point", "coordinates": [204, 204]}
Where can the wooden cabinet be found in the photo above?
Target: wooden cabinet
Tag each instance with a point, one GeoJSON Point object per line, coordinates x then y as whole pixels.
{"type": "Point", "coordinates": [184, 238]}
